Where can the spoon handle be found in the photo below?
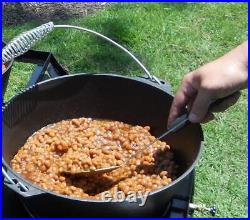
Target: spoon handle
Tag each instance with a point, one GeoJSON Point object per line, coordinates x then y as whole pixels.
{"type": "Point", "coordinates": [183, 119]}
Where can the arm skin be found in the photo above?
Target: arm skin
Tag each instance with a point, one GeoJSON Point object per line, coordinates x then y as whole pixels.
{"type": "Point", "coordinates": [215, 80]}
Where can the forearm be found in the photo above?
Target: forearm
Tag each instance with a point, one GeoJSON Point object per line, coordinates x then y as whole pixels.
{"type": "Point", "coordinates": [215, 80]}
{"type": "Point", "coordinates": [239, 58]}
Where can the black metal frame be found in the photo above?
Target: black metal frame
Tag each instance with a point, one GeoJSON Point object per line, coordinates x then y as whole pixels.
{"type": "Point", "coordinates": [45, 63]}
{"type": "Point", "coordinates": [180, 204]}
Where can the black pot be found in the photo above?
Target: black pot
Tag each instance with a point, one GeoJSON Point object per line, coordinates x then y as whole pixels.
{"type": "Point", "coordinates": [6, 76]}
{"type": "Point", "coordinates": [131, 100]}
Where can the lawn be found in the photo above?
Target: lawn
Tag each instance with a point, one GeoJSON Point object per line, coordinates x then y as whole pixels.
{"type": "Point", "coordinates": [171, 39]}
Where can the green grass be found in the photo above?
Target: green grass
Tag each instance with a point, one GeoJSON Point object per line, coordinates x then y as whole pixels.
{"type": "Point", "coordinates": [171, 39]}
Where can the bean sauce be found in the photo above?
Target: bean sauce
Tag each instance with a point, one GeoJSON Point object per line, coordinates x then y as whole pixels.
{"type": "Point", "coordinates": [85, 144]}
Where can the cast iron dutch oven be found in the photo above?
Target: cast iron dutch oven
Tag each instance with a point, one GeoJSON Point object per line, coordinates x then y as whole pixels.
{"type": "Point", "coordinates": [134, 100]}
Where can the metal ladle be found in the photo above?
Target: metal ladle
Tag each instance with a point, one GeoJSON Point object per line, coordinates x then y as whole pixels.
{"type": "Point", "coordinates": [177, 124]}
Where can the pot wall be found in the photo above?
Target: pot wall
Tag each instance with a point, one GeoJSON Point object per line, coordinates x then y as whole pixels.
{"type": "Point", "coordinates": [105, 97]}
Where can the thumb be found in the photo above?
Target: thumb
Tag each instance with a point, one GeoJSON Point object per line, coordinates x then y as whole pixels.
{"type": "Point", "coordinates": [200, 107]}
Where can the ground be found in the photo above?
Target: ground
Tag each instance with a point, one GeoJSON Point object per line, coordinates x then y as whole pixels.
{"type": "Point", "coordinates": [171, 39]}
{"type": "Point", "coordinates": [21, 12]}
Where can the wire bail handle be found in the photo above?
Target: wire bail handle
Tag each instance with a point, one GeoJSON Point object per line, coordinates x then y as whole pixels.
{"type": "Point", "coordinates": [23, 42]}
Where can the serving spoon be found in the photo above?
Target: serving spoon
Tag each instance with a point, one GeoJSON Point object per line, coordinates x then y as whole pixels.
{"type": "Point", "coordinates": [179, 123]}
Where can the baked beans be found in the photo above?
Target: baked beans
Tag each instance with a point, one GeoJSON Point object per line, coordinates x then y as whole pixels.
{"type": "Point", "coordinates": [87, 144]}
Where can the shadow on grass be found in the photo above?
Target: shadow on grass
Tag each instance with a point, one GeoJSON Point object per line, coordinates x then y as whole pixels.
{"type": "Point", "coordinates": [101, 56]}
{"type": "Point", "coordinates": [91, 54]}
{"type": "Point", "coordinates": [95, 55]}
{"type": "Point", "coordinates": [177, 6]}
{"type": "Point", "coordinates": [107, 57]}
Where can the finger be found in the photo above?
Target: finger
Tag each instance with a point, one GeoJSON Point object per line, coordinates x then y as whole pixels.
{"type": "Point", "coordinates": [209, 117]}
{"type": "Point", "coordinates": [182, 97]}
{"type": "Point", "coordinates": [177, 106]}
{"type": "Point", "coordinates": [190, 104]}
{"type": "Point", "coordinates": [226, 103]}
{"type": "Point", "coordinates": [200, 107]}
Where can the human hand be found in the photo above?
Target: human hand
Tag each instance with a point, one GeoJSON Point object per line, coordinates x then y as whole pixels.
{"type": "Point", "coordinates": [215, 80]}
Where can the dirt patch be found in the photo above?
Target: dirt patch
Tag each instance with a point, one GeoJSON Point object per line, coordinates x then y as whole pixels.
{"type": "Point", "coordinates": [17, 13]}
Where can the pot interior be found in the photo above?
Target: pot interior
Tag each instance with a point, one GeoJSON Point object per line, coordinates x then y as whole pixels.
{"type": "Point", "coordinates": [96, 96]}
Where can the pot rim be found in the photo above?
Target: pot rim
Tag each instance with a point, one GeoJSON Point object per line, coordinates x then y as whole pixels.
{"type": "Point", "coordinates": [29, 183]}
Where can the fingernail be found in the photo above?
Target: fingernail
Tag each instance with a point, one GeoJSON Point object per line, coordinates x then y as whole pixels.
{"type": "Point", "coordinates": [193, 118]}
